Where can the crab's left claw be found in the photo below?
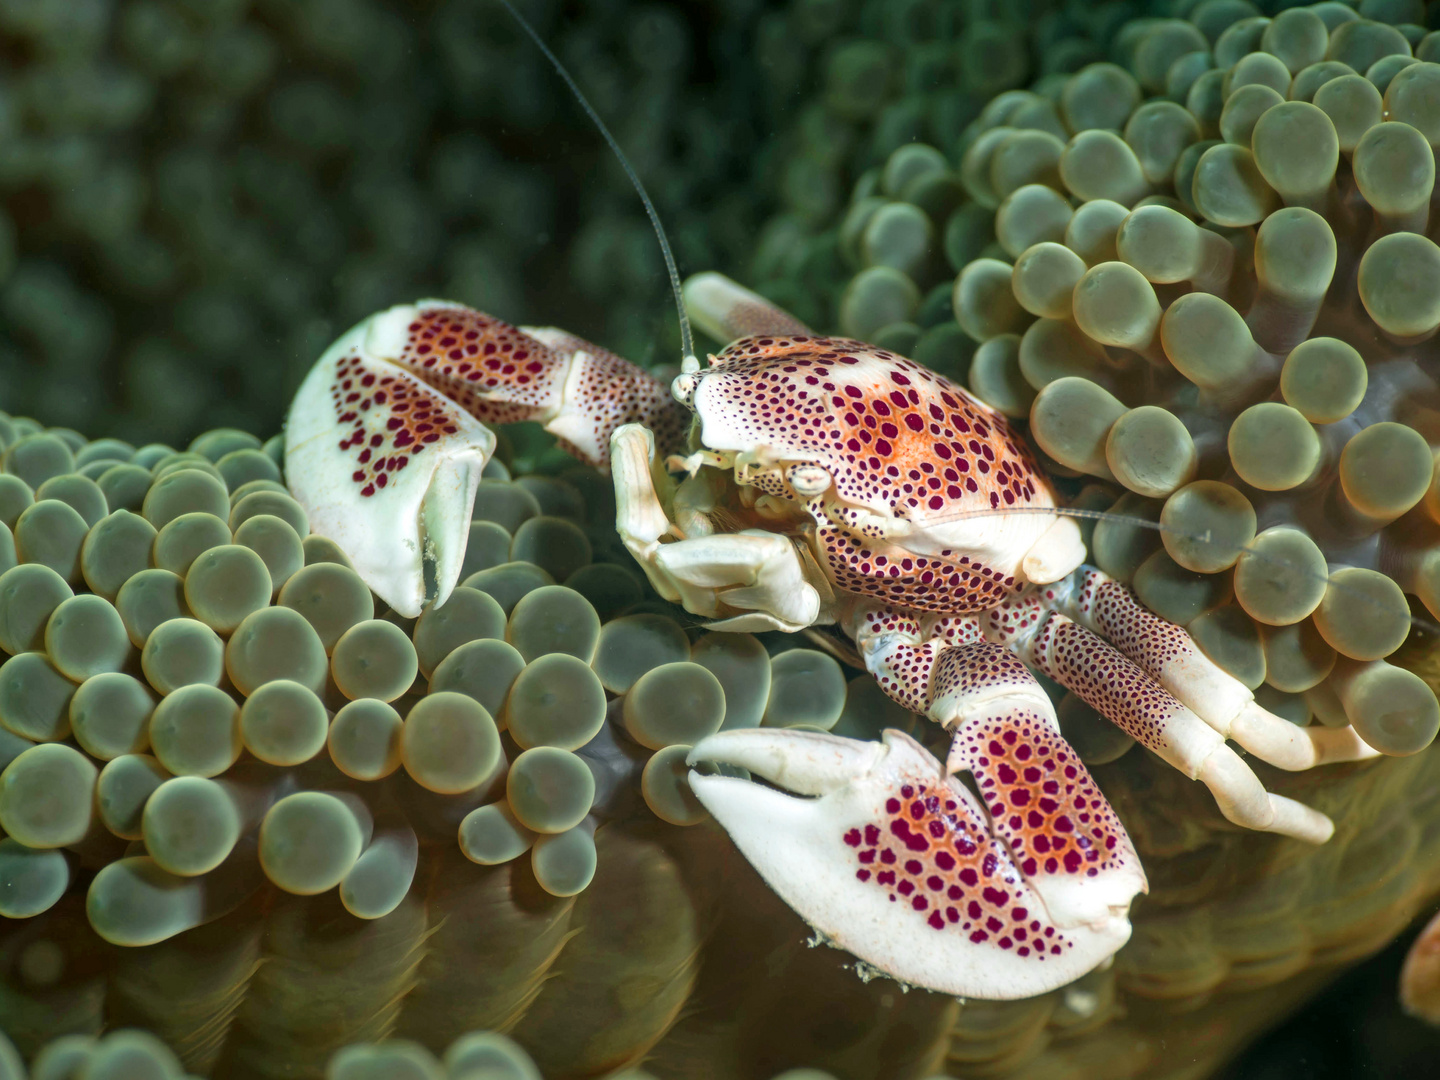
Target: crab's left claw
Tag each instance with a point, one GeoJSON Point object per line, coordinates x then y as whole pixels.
{"type": "Point", "coordinates": [385, 465]}
{"type": "Point", "coordinates": [891, 859]}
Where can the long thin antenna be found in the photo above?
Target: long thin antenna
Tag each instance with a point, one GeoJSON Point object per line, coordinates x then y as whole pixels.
{"type": "Point", "coordinates": [687, 341]}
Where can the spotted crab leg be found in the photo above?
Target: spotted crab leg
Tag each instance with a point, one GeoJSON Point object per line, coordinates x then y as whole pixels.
{"type": "Point", "coordinates": [1041, 799]}
{"type": "Point", "coordinates": [1169, 655]}
{"type": "Point", "coordinates": [897, 862]}
{"type": "Point", "coordinates": [386, 438]}
{"type": "Point", "coordinates": [726, 310]}
{"type": "Point", "coordinates": [1133, 700]}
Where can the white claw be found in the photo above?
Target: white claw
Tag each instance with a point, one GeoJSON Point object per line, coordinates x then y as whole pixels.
{"type": "Point", "coordinates": [813, 765]}
{"type": "Point", "coordinates": [891, 859]}
{"type": "Point", "coordinates": [405, 533]}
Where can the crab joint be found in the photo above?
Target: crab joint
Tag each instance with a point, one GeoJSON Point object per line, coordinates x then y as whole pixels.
{"type": "Point", "coordinates": [693, 463]}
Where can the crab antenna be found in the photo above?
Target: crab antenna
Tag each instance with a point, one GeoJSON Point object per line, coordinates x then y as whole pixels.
{"type": "Point", "coordinates": [688, 362]}
{"type": "Point", "coordinates": [1068, 511]}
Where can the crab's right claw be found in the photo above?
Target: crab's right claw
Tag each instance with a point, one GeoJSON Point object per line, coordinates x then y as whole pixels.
{"type": "Point", "coordinates": [385, 465]}
{"type": "Point", "coordinates": [892, 860]}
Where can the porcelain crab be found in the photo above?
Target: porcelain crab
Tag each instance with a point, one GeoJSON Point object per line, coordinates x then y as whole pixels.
{"type": "Point", "coordinates": [801, 480]}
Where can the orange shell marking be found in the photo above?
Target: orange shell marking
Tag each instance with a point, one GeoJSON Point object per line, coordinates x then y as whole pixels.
{"type": "Point", "coordinates": [895, 437]}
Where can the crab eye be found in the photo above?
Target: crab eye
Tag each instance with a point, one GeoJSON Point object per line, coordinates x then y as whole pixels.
{"type": "Point", "coordinates": [683, 388]}
{"type": "Point", "coordinates": [808, 480]}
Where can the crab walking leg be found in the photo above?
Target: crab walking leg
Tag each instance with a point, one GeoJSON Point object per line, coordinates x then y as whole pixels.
{"type": "Point", "coordinates": [1170, 656]}
{"type": "Point", "coordinates": [727, 311]}
{"type": "Point", "coordinates": [1420, 976]}
{"type": "Point", "coordinates": [1062, 834]}
{"type": "Point", "coordinates": [892, 859]}
{"type": "Point", "coordinates": [1126, 695]}
{"type": "Point", "coordinates": [751, 580]}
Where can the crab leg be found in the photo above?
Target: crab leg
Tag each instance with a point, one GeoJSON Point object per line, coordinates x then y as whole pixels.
{"type": "Point", "coordinates": [1420, 976]}
{"type": "Point", "coordinates": [385, 441]}
{"type": "Point", "coordinates": [1126, 695]}
{"type": "Point", "coordinates": [1041, 800]}
{"type": "Point", "coordinates": [750, 580]}
{"type": "Point", "coordinates": [599, 393]}
{"type": "Point", "coordinates": [1169, 655]}
{"type": "Point", "coordinates": [727, 311]}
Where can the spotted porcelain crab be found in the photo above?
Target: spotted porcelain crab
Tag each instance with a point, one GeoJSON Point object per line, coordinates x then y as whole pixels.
{"type": "Point", "coordinates": [801, 480]}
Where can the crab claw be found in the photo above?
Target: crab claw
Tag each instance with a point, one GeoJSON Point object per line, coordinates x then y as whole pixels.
{"type": "Point", "coordinates": [385, 465]}
{"type": "Point", "coordinates": [893, 860]}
